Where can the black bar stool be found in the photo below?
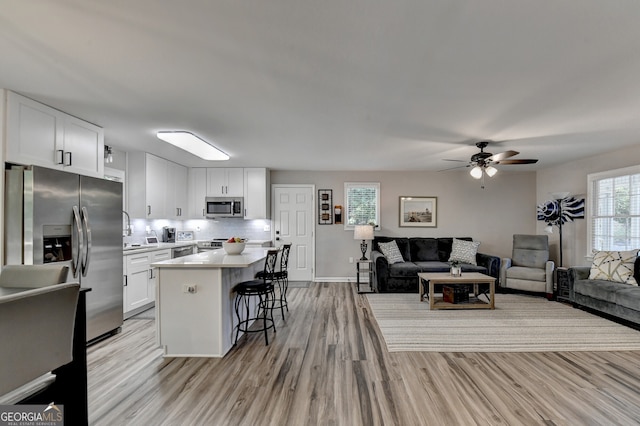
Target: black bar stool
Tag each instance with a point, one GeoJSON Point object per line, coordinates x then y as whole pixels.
{"type": "Point", "coordinates": [282, 278]}
{"type": "Point", "coordinates": [263, 289]}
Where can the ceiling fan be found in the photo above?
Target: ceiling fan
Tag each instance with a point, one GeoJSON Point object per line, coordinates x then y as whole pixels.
{"type": "Point", "coordinates": [482, 162]}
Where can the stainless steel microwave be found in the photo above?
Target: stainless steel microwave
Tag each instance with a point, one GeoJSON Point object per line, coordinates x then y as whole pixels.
{"type": "Point", "coordinates": [216, 207]}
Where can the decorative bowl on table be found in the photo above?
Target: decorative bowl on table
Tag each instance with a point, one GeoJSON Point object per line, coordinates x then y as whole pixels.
{"type": "Point", "coordinates": [233, 248]}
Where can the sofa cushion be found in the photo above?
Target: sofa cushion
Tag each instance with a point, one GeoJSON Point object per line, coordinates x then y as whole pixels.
{"type": "Point", "coordinates": [424, 249]}
{"type": "Point", "coordinates": [598, 289]}
{"type": "Point", "coordinates": [524, 273]}
{"type": "Point", "coordinates": [629, 298]}
{"type": "Point", "coordinates": [433, 266]}
{"type": "Point", "coordinates": [464, 251]}
{"type": "Point", "coordinates": [614, 266]}
{"type": "Point", "coordinates": [466, 267]}
{"type": "Point", "coordinates": [391, 252]}
{"type": "Point", "coordinates": [403, 245]}
{"type": "Point", "coordinates": [404, 269]}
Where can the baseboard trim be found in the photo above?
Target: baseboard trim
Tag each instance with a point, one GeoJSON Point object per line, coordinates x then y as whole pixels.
{"type": "Point", "coordinates": [334, 279]}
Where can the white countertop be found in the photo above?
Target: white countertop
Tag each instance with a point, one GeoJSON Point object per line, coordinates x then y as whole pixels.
{"type": "Point", "coordinates": [216, 259]}
{"type": "Point", "coordinates": [153, 247]}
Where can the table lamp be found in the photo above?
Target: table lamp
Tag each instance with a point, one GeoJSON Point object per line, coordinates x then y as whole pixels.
{"type": "Point", "coordinates": [363, 232]}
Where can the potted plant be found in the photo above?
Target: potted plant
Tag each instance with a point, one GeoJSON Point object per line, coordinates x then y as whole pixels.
{"type": "Point", "coordinates": [456, 269]}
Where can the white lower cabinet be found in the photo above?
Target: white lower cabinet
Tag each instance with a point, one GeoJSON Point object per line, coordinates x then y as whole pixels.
{"type": "Point", "coordinates": [140, 280]}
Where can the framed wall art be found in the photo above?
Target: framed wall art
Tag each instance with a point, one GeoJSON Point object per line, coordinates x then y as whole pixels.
{"type": "Point", "coordinates": [419, 211]}
{"type": "Point", "coordinates": [325, 206]}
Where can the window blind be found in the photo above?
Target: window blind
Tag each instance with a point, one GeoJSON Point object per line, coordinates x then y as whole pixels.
{"type": "Point", "coordinates": [615, 210]}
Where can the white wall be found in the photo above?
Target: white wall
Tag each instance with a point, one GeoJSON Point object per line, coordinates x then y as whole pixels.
{"type": "Point", "coordinates": [492, 215]}
{"type": "Point", "coordinates": [572, 177]}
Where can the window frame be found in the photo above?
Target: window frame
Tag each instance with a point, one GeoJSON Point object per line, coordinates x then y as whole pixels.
{"type": "Point", "coordinates": [592, 180]}
{"type": "Point", "coordinates": [345, 214]}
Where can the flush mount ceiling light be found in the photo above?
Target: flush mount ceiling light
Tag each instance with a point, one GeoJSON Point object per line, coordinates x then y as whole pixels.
{"type": "Point", "coordinates": [193, 144]}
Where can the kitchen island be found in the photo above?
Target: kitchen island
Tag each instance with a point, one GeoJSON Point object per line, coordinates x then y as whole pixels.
{"type": "Point", "coordinates": [194, 300]}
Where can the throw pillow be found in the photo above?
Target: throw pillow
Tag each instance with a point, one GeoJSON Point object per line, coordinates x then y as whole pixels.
{"type": "Point", "coordinates": [464, 251]}
{"type": "Point", "coordinates": [614, 266]}
{"type": "Point", "coordinates": [391, 252]}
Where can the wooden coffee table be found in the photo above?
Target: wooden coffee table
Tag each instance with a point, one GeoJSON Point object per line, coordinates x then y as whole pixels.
{"type": "Point", "coordinates": [475, 278]}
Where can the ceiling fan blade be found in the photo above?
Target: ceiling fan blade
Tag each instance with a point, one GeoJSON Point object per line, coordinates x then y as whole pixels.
{"type": "Point", "coordinates": [502, 155]}
{"type": "Point", "coordinates": [460, 161]}
{"type": "Point", "coordinates": [453, 168]}
{"type": "Point", "coordinates": [530, 161]}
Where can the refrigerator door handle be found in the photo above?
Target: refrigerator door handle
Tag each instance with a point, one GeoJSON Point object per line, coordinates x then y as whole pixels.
{"type": "Point", "coordinates": [87, 235]}
{"type": "Point", "coordinates": [78, 244]}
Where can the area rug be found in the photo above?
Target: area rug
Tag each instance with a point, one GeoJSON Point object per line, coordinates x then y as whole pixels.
{"type": "Point", "coordinates": [518, 324]}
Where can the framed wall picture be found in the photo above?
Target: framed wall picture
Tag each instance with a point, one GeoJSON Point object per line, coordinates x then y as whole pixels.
{"type": "Point", "coordinates": [325, 206]}
{"type": "Point", "coordinates": [419, 211]}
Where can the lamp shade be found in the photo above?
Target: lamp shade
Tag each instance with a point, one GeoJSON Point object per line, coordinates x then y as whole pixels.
{"type": "Point", "coordinates": [491, 171]}
{"type": "Point", "coordinates": [363, 232]}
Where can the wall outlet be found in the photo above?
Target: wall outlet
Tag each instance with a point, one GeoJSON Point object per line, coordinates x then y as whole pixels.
{"type": "Point", "coordinates": [189, 288]}
{"type": "Point", "coordinates": [351, 260]}
{"type": "Point", "coordinates": [267, 228]}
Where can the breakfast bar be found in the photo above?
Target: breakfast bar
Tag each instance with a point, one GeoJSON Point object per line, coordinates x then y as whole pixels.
{"type": "Point", "coordinates": [194, 300]}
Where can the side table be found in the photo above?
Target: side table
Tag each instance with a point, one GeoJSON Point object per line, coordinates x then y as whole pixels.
{"type": "Point", "coordinates": [562, 282]}
{"type": "Point", "coordinates": [364, 274]}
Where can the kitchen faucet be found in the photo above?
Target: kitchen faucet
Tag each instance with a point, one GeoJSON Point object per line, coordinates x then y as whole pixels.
{"type": "Point", "coordinates": [128, 228]}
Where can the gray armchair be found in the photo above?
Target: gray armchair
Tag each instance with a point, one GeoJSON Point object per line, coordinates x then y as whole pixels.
{"type": "Point", "coordinates": [529, 268]}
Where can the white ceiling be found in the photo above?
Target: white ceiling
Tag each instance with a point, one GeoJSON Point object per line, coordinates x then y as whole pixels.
{"type": "Point", "coordinates": [334, 84]}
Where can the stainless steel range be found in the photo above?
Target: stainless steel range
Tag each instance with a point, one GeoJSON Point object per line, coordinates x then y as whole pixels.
{"type": "Point", "coordinates": [207, 245]}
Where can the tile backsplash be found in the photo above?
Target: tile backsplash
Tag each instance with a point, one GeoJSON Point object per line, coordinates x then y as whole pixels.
{"type": "Point", "coordinates": [202, 229]}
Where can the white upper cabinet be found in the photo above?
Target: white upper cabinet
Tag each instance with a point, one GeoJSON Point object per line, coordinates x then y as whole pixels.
{"type": "Point", "coordinates": [147, 186]}
{"type": "Point", "coordinates": [197, 192]}
{"type": "Point", "coordinates": [156, 187]}
{"type": "Point", "coordinates": [40, 135]}
{"type": "Point", "coordinates": [177, 191]}
{"type": "Point", "coordinates": [223, 182]}
{"type": "Point", "coordinates": [256, 193]}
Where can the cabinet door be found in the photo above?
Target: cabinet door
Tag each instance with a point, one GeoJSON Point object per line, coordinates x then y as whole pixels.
{"type": "Point", "coordinates": [83, 147]}
{"type": "Point", "coordinates": [156, 256]}
{"type": "Point", "coordinates": [197, 192]}
{"type": "Point", "coordinates": [176, 191]}
{"type": "Point", "coordinates": [256, 193]}
{"type": "Point", "coordinates": [223, 182]}
{"type": "Point", "coordinates": [33, 129]}
{"type": "Point", "coordinates": [216, 182]}
{"type": "Point", "coordinates": [136, 289]}
{"type": "Point", "coordinates": [156, 187]}
{"type": "Point", "coordinates": [235, 182]}
{"type": "Point", "coordinates": [40, 135]}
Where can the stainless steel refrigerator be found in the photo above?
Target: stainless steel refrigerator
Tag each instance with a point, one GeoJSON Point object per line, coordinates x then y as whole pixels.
{"type": "Point", "coordinates": [54, 216]}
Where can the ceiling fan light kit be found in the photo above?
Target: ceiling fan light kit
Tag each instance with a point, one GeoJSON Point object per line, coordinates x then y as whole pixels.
{"type": "Point", "coordinates": [481, 162]}
{"type": "Point", "coordinates": [476, 172]}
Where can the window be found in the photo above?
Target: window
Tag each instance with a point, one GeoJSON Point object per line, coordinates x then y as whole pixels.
{"type": "Point", "coordinates": [614, 209]}
{"type": "Point", "coordinates": [362, 204]}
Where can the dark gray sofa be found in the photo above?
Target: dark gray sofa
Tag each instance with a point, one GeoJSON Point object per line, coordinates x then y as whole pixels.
{"type": "Point", "coordinates": [612, 298]}
{"type": "Point", "coordinates": [421, 255]}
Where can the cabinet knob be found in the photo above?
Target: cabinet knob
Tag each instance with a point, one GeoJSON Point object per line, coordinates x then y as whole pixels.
{"type": "Point", "coordinates": [59, 156]}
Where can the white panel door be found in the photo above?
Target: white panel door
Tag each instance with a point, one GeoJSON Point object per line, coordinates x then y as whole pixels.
{"type": "Point", "coordinates": [293, 223]}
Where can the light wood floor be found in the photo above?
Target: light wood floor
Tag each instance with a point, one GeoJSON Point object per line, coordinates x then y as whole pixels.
{"type": "Point", "coordinates": [327, 365]}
